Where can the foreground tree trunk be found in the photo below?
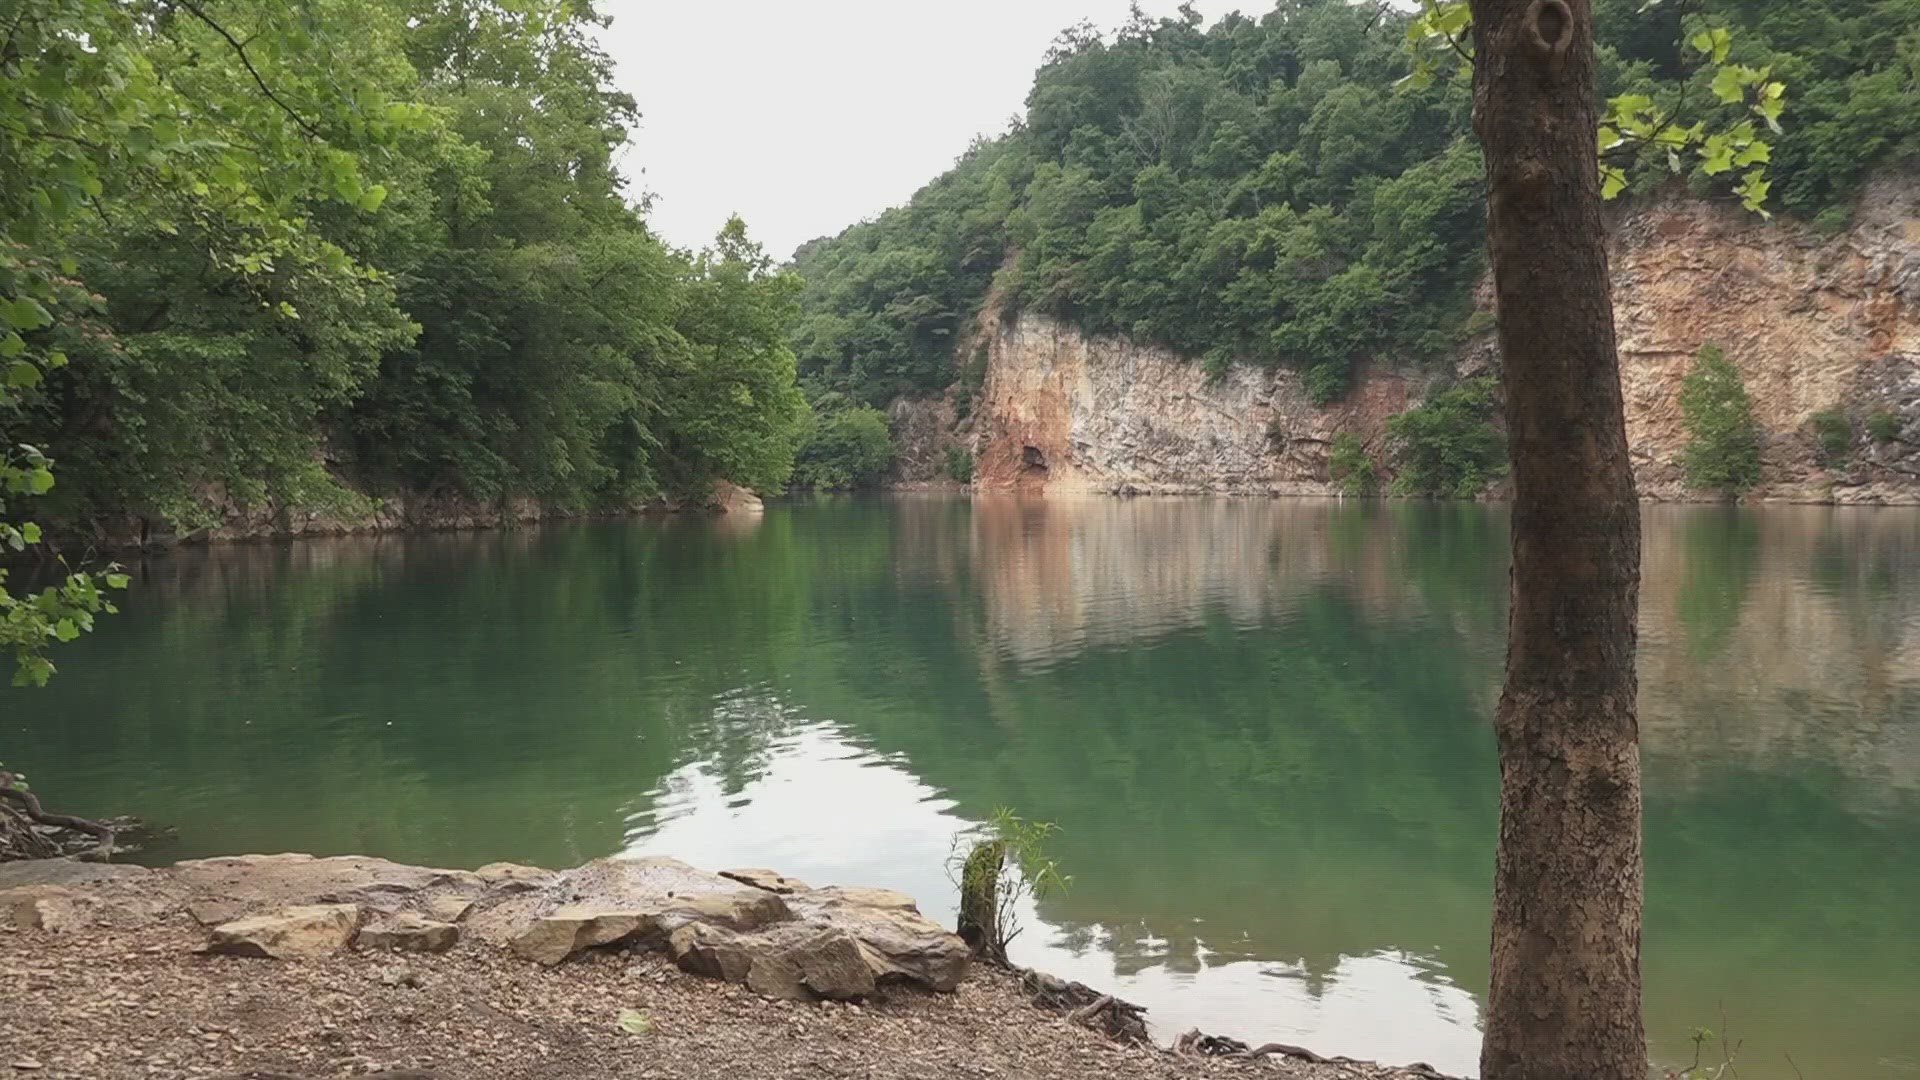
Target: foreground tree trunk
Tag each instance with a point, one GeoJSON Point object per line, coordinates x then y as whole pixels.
{"type": "Point", "coordinates": [1565, 996]}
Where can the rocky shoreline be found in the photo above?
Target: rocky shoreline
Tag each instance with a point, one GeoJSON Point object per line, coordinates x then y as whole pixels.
{"type": "Point", "coordinates": [291, 967]}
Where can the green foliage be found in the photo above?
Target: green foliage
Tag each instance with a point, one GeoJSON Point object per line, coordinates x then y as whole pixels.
{"type": "Point", "coordinates": [1449, 446]}
{"type": "Point", "coordinates": [958, 465]}
{"type": "Point", "coordinates": [1349, 465]}
{"type": "Point", "coordinates": [1883, 425]}
{"type": "Point", "coordinates": [1303, 189]}
{"type": "Point", "coordinates": [258, 254]}
{"type": "Point", "coordinates": [851, 448]}
{"type": "Point", "coordinates": [1834, 434]}
{"type": "Point", "coordinates": [401, 258]}
{"type": "Point", "coordinates": [1723, 441]}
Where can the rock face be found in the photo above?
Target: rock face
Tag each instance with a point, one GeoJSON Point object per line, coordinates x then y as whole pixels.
{"type": "Point", "coordinates": [1064, 412]}
{"type": "Point", "coordinates": [295, 933]}
{"type": "Point", "coordinates": [1813, 322]}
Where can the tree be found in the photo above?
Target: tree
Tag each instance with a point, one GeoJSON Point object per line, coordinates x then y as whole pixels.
{"type": "Point", "coordinates": [1448, 446]}
{"type": "Point", "coordinates": [1564, 999]}
{"type": "Point", "coordinates": [1723, 442]}
{"type": "Point", "coordinates": [851, 448]}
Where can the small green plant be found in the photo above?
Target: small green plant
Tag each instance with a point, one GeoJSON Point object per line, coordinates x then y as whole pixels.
{"type": "Point", "coordinates": [1833, 433]}
{"type": "Point", "coordinates": [1349, 466]}
{"type": "Point", "coordinates": [959, 464]}
{"type": "Point", "coordinates": [1723, 441]}
{"type": "Point", "coordinates": [998, 863]}
{"type": "Point", "coordinates": [1703, 1038]}
{"type": "Point", "coordinates": [1449, 446]}
{"type": "Point", "coordinates": [1326, 383]}
{"type": "Point", "coordinates": [1217, 364]}
{"type": "Point", "coordinates": [1883, 425]}
{"type": "Point", "coordinates": [1833, 220]}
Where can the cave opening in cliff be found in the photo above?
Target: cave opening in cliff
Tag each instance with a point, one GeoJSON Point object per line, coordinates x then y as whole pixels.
{"type": "Point", "coordinates": [1033, 459]}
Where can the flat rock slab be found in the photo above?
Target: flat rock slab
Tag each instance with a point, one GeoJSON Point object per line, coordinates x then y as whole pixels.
{"type": "Point", "coordinates": [621, 901]}
{"type": "Point", "coordinates": [71, 872]}
{"type": "Point", "coordinates": [243, 884]}
{"type": "Point", "coordinates": [408, 931]}
{"type": "Point", "coordinates": [295, 933]}
{"type": "Point", "coordinates": [771, 880]}
{"type": "Point", "coordinates": [613, 900]}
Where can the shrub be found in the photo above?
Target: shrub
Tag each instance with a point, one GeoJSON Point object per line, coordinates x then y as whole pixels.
{"type": "Point", "coordinates": [1883, 425]}
{"type": "Point", "coordinates": [1449, 445]}
{"type": "Point", "coordinates": [1326, 383]}
{"type": "Point", "coordinates": [1723, 442]}
{"type": "Point", "coordinates": [1833, 433]}
{"type": "Point", "coordinates": [847, 449]}
{"type": "Point", "coordinates": [959, 465]}
{"type": "Point", "coordinates": [1349, 466]}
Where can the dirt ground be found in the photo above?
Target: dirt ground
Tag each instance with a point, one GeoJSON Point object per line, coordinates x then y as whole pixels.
{"type": "Point", "coordinates": [145, 1003]}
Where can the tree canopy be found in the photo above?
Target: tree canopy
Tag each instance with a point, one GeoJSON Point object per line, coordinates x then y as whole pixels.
{"type": "Point", "coordinates": [296, 255]}
{"type": "Point", "coordinates": [1278, 190]}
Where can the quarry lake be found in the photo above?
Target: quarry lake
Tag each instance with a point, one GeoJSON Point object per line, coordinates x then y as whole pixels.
{"type": "Point", "coordinates": [1262, 728]}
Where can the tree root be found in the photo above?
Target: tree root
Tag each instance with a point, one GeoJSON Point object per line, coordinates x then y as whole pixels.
{"type": "Point", "coordinates": [1198, 1044]}
{"type": "Point", "coordinates": [30, 808]}
{"type": "Point", "coordinates": [1121, 1021]}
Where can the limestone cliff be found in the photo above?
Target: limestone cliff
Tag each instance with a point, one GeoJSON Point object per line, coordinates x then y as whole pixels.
{"type": "Point", "coordinates": [1814, 322]}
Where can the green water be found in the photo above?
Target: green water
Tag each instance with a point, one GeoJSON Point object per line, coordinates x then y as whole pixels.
{"type": "Point", "coordinates": [1262, 727]}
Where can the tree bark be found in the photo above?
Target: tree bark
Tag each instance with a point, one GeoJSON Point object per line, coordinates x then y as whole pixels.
{"type": "Point", "coordinates": [1565, 997]}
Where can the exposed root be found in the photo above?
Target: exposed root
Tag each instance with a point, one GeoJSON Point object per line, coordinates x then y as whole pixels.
{"type": "Point", "coordinates": [1196, 1043]}
{"type": "Point", "coordinates": [1121, 1021]}
{"type": "Point", "coordinates": [20, 840]}
{"type": "Point", "coordinates": [30, 808]}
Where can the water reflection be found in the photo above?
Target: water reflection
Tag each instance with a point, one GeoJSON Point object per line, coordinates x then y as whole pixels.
{"type": "Point", "coordinates": [1260, 724]}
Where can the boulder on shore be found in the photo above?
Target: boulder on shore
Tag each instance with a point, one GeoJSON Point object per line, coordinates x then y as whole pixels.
{"type": "Point", "coordinates": [295, 933]}
{"type": "Point", "coordinates": [755, 927]}
{"type": "Point", "coordinates": [408, 932]}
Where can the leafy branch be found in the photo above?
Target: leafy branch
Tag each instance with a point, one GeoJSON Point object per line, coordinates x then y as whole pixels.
{"type": "Point", "coordinates": [1635, 122]}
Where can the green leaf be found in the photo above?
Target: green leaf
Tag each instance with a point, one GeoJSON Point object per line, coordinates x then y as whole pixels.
{"type": "Point", "coordinates": [30, 532]}
{"type": "Point", "coordinates": [56, 360]}
{"type": "Point", "coordinates": [1716, 156]}
{"type": "Point", "coordinates": [65, 630]}
{"type": "Point", "coordinates": [11, 345]}
{"type": "Point", "coordinates": [40, 481]}
{"type": "Point", "coordinates": [1730, 83]}
{"type": "Point", "coordinates": [1612, 182]}
{"type": "Point", "coordinates": [1609, 138]}
{"type": "Point", "coordinates": [635, 1022]}
{"type": "Point", "coordinates": [1755, 153]}
{"type": "Point", "coordinates": [25, 313]}
{"type": "Point", "coordinates": [371, 199]}
{"type": "Point", "coordinates": [117, 581]}
{"type": "Point", "coordinates": [22, 375]}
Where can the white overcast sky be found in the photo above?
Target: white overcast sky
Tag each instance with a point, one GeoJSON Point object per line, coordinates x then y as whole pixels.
{"type": "Point", "coordinates": [805, 117]}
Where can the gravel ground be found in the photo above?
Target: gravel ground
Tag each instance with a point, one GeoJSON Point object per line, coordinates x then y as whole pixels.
{"type": "Point", "coordinates": [144, 1003]}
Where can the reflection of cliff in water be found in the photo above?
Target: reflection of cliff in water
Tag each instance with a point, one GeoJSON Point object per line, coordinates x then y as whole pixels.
{"type": "Point", "coordinates": [1263, 729]}
{"type": "Point", "coordinates": [1792, 630]}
